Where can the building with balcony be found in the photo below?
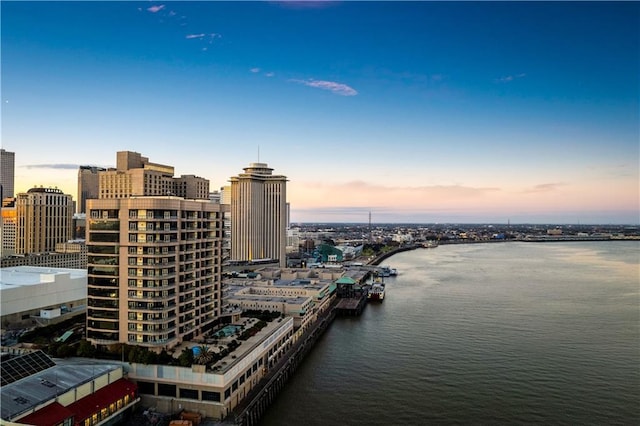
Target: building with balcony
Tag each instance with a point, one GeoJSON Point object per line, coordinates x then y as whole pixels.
{"type": "Point", "coordinates": [154, 270]}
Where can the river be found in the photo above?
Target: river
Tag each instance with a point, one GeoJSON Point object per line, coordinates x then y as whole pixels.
{"type": "Point", "coordinates": [506, 333]}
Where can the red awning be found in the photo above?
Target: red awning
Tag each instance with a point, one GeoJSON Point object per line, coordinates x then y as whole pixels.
{"type": "Point", "coordinates": [51, 415]}
{"type": "Point", "coordinates": [109, 394]}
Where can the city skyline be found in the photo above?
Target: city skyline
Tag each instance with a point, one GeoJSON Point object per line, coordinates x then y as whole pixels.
{"type": "Point", "coordinates": [417, 112]}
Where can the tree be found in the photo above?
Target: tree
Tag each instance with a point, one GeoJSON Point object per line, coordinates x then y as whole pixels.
{"type": "Point", "coordinates": [205, 356]}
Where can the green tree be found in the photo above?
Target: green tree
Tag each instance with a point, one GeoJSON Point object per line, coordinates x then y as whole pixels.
{"type": "Point", "coordinates": [205, 356]}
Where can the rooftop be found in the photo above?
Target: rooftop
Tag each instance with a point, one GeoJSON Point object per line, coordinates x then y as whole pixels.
{"type": "Point", "coordinates": [26, 393]}
{"type": "Point", "coordinates": [21, 276]}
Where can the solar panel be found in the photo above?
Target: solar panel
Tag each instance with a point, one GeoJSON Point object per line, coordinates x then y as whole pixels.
{"type": "Point", "coordinates": [22, 366]}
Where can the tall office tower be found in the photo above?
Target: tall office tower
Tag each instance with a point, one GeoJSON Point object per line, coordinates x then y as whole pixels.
{"type": "Point", "coordinates": [87, 185]}
{"type": "Point", "coordinates": [135, 175]}
{"type": "Point", "coordinates": [154, 270]}
{"type": "Point", "coordinates": [44, 218]}
{"type": "Point", "coordinates": [258, 215]}
{"type": "Point", "coordinates": [7, 173]}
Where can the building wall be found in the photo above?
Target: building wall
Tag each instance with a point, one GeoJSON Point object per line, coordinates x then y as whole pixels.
{"type": "Point", "coordinates": [258, 215]}
{"type": "Point", "coordinates": [136, 176]}
{"type": "Point", "coordinates": [230, 385]}
{"type": "Point", "coordinates": [26, 290]}
{"type": "Point", "coordinates": [44, 218]}
{"type": "Point", "coordinates": [154, 269]}
{"type": "Point", "coordinates": [8, 230]}
{"type": "Point", "coordinates": [72, 260]}
{"type": "Point", "coordinates": [88, 185]}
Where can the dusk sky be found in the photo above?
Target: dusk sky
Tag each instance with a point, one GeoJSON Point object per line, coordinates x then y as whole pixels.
{"type": "Point", "coordinates": [416, 112]}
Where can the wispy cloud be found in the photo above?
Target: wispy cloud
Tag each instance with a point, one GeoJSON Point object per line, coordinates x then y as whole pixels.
{"type": "Point", "coordinates": [305, 4]}
{"type": "Point", "coordinates": [201, 36]}
{"type": "Point", "coordinates": [155, 8]}
{"type": "Point", "coordinates": [270, 74]}
{"type": "Point", "coordinates": [60, 166]}
{"type": "Point", "coordinates": [255, 70]}
{"type": "Point", "coordinates": [544, 187]}
{"type": "Point", "coordinates": [332, 86]}
{"type": "Point", "coordinates": [509, 78]}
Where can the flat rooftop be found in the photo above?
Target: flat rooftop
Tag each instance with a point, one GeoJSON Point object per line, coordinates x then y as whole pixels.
{"type": "Point", "coordinates": [21, 276]}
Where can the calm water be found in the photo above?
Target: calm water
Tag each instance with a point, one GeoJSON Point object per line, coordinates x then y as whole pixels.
{"type": "Point", "coordinates": [483, 334]}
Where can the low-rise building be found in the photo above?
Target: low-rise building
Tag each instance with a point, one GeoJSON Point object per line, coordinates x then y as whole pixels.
{"type": "Point", "coordinates": [28, 291]}
{"type": "Point", "coordinates": [215, 390]}
{"type": "Point", "coordinates": [36, 391]}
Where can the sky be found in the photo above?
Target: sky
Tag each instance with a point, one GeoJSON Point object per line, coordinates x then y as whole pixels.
{"type": "Point", "coordinates": [415, 112]}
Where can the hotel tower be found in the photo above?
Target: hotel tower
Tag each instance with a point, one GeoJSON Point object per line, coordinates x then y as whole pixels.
{"type": "Point", "coordinates": [258, 215]}
{"type": "Point", "coordinates": [154, 262]}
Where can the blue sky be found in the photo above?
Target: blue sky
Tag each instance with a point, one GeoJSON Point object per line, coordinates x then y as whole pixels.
{"type": "Point", "coordinates": [415, 111]}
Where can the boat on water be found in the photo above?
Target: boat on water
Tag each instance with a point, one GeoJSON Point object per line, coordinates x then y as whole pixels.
{"type": "Point", "coordinates": [376, 292]}
{"type": "Point", "coordinates": [386, 271]}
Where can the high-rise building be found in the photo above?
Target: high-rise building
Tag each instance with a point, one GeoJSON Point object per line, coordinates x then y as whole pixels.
{"type": "Point", "coordinates": [7, 173]}
{"type": "Point", "coordinates": [8, 224]}
{"type": "Point", "coordinates": [154, 263]}
{"type": "Point", "coordinates": [258, 215]}
{"type": "Point", "coordinates": [44, 218]}
{"type": "Point", "coordinates": [87, 185]}
{"type": "Point", "coordinates": [134, 175]}
{"type": "Point", "coordinates": [154, 269]}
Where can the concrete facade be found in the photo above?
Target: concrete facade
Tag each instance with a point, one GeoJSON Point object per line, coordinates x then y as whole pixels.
{"type": "Point", "coordinates": [26, 290]}
{"type": "Point", "coordinates": [258, 215]}
{"type": "Point", "coordinates": [135, 175]}
{"type": "Point", "coordinates": [44, 218]}
{"type": "Point", "coordinates": [214, 392]}
{"type": "Point", "coordinates": [154, 269]}
{"type": "Point", "coordinates": [88, 185]}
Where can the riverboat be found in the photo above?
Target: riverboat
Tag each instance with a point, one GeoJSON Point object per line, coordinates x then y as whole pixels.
{"type": "Point", "coordinates": [376, 292]}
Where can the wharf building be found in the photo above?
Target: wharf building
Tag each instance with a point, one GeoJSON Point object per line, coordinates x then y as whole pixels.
{"type": "Point", "coordinates": [154, 260]}
{"type": "Point", "coordinates": [299, 293]}
{"type": "Point", "coordinates": [44, 217]}
{"type": "Point", "coordinates": [258, 215]}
